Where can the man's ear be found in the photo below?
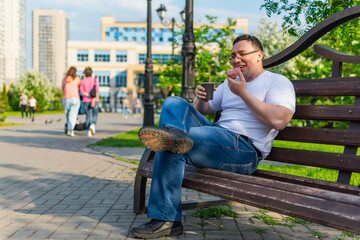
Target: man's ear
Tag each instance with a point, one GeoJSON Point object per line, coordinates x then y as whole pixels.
{"type": "Point", "coordinates": [260, 55]}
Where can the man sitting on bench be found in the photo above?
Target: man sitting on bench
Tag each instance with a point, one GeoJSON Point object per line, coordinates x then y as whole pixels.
{"type": "Point", "coordinates": [255, 105]}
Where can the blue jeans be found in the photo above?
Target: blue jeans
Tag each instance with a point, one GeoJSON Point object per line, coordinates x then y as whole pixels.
{"type": "Point", "coordinates": [91, 114]}
{"type": "Point", "coordinates": [214, 147]}
{"type": "Point", "coordinates": [125, 111]}
{"type": "Point", "coordinates": [71, 108]}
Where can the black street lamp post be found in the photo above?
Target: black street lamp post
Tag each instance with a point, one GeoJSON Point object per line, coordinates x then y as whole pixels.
{"type": "Point", "coordinates": [188, 55]}
{"type": "Point", "coordinates": [148, 98]}
{"type": "Point", "coordinates": [161, 11]}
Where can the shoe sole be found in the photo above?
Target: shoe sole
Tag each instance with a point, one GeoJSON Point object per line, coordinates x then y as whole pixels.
{"type": "Point", "coordinates": [159, 140]}
{"type": "Point", "coordinates": [173, 232]}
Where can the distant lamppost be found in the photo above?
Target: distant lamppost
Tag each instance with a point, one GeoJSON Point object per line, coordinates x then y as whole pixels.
{"type": "Point", "coordinates": [148, 98]}
{"type": "Point", "coordinates": [188, 55]}
{"type": "Point", "coordinates": [161, 11]}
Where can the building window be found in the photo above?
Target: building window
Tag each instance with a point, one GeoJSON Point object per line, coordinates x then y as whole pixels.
{"type": "Point", "coordinates": [121, 79]}
{"type": "Point", "coordinates": [102, 55]}
{"type": "Point", "coordinates": [125, 39]}
{"type": "Point", "coordinates": [104, 78]}
{"type": "Point", "coordinates": [142, 58]}
{"type": "Point", "coordinates": [134, 39]}
{"type": "Point", "coordinates": [161, 58]}
{"type": "Point", "coordinates": [82, 55]}
{"type": "Point", "coordinates": [121, 56]}
{"type": "Point", "coordinates": [105, 100]}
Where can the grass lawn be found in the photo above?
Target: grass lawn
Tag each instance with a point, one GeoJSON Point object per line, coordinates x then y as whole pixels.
{"type": "Point", "coordinates": [10, 124]}
{"type": "Point", "coordinates": [130, 139]}
{"type": "Point", "coordinates": [127, 139]}
{"type": "Point", "coordinates": [18, 113]}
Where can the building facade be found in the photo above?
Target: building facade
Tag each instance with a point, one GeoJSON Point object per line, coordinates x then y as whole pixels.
{"type": "Point", "coordinates": [118, 60]}
{"type": "Point", "coordinates": [12, 40]}
{"type": "Point", "coordinates": [50, 39]}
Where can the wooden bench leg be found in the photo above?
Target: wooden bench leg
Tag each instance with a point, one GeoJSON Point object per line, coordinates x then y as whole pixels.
{"type": "Point", "coordinates": [139, 194]}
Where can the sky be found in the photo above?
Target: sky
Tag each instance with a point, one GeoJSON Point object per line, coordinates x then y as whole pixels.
{"type": "Point", "coordinates": [85, 15]}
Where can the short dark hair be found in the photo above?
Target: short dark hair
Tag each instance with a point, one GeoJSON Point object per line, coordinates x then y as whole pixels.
{"type": "Point", "coordinates": [254, 41]}
{"type": "Point", "coordinates": [88, 72]}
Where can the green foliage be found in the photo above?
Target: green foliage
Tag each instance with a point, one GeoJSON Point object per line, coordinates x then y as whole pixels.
{"type": "Point", "coordinates": [213, 49]}
{"type": "Point", "coordinates": [291, 221]}
{"type": "Point", "coordinates": [57, 101]}
{"type": "Point", "coordinates": [309, 65]}
{"type": "Point", "coordinates": [4, 101]}
{"type": "Point", "coordinates": [127, 139]}
{"type": "Point", "coordinates": [217, 212]}
{"type": "Point", "coordinates": [318, 235]}
{"type": "Point", "coordinates": [34, 84]}
{"type": "Point", "coordinates": [315, 173]}
{"type": "Point", "coordinates": [267, 219]}
{"type": "Point", "coordinates": [313, 12]}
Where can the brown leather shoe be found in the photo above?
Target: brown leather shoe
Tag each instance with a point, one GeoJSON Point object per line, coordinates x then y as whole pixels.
{"type": "Point", "coordinates": [168, 138]}
{"type": "Point", "coordinates": [158, 229]}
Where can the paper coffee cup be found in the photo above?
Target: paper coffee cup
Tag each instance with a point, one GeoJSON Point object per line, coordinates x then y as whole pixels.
{"type": "Point", "coordinates": [209, 88]}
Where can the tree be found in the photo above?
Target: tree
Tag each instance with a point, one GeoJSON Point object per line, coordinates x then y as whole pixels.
{"type": "Point", "coordinates": [35, 84]}
{"type": "Point", "coordinates": [344, 38]}
{"type": "Point", "coordinates": [213, 48]}
{"type": "Point", "coordinates": [301, 15]}
{"type": "Point", "coordinates": [4, 99]}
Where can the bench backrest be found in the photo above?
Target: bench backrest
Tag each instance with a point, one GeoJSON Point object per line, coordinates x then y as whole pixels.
{"type": "Point", "coordinates": [346, 162]}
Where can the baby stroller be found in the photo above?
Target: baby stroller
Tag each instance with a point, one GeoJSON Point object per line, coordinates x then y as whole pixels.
{"type": "Point", "coordinates": [80, 122]}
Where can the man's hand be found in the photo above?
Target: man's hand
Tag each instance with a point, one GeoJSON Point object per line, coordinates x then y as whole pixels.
{"type": "Point", "coordinates": [237, 87]}
{"type": "Point", "coordinates": [200, 103]}
{"type": "Point", "coordinates": [200, 93]}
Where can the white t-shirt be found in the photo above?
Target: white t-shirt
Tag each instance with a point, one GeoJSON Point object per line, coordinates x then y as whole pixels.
{"type": "Point", "coordinates": [237, 117]}
{"type": "Point", "coordinates": [32, 102]}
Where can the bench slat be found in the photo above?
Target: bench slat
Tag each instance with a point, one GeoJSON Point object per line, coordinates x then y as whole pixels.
{"type": "Point", "coordinates": [347, 86]}
{"type": "Point", "coordinates": [321, 135]}
{"type": "Point", "coordinates": [332, 113]}
{"type": "Point", "coordinates": [316, 159]}
{"type": "Point", "coordinates": [331, 211]}
{"type": "Point", "coordinates": [305, 181]}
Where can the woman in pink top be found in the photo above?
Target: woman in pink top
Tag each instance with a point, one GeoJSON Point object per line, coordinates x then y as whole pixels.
{"type": "Point", "coordinates": [71, 99]}
{"type": "Point", "coordinates": [91, 105]}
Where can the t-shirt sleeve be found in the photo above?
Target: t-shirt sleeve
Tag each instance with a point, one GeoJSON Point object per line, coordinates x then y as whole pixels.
{"type": "Point", "coordinates": [281, 92]}
{"type": "Point", "coordinates": [215, 104]}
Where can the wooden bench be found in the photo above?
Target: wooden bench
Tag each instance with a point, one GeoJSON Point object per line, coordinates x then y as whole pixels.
{"type": "Point", "coordinates": [335, 204]}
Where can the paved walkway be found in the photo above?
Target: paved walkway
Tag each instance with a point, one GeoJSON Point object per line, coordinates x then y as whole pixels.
{"type": "Point", "coordinates": [55, 187]}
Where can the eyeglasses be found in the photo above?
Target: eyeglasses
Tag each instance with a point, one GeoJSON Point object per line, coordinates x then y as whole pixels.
{"type": "Point", "coordinates": [232, 58]}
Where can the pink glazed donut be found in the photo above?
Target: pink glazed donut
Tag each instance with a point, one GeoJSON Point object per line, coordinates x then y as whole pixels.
{"type": "Point", "coordinates": [233, 73]}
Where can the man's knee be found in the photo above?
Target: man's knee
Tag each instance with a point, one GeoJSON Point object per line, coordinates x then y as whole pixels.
{"type": "Point", "coordinates": [173, 101]}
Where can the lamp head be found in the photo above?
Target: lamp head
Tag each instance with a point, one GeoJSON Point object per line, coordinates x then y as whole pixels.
{"type": "Point", "coordinates": [161, 11]}
{"type": "Point", "coordinates": [183, 15]}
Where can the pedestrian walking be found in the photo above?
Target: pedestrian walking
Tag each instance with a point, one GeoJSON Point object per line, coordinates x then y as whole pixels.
{"type": "Point", "coordinates": [71, 99]}
{"type": "Point", "coordinates": [137, 105]}
{"type": "Point", "coordinates": [32, 106]}
{"type": "Point", "coordinates": [23, 104]}
{"type": "Point", "coordinates": [90, 101]}
{"type": "Point", "coordinates": [125, 107]}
